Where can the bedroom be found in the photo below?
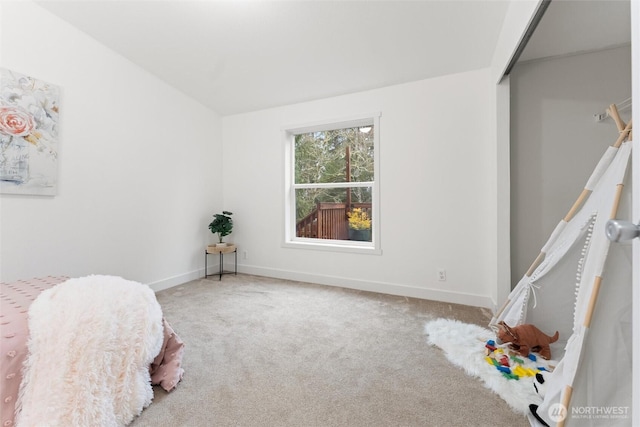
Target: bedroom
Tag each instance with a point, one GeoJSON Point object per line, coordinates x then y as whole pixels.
{"type": "Point", "coordinates": [165, 181]}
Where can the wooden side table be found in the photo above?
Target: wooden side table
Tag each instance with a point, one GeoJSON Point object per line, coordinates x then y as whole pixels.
{"type": "Point", "coordinates": [221, 250]}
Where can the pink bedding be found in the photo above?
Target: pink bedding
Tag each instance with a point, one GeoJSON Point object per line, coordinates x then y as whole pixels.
{"type": "Point", "coordinates": [15, 299]}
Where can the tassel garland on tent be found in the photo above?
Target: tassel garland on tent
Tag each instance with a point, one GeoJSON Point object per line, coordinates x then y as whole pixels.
{"type": "Point", "coordinates": [583, 253]}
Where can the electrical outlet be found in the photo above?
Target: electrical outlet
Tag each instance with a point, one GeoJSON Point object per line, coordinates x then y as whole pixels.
{"type": "Point", "coordinates": [245, 255]}
{"type": "Point", "coordinates": [442, 275]}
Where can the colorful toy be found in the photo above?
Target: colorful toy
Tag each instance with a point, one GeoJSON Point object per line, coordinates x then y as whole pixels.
{"type": "Point", "coordinates": [526, 338]}
{"type": "Point", "coordinates": [504, 361]}
{"type": "Point", "coordinates": [510, 376]}
{"type": "Point", "coordinates": [504, 369]}
{"type": "Point", "coordinates": [490, 347]}
{"type": "Point", "coordinates": [517, 360]}
{"type": "Point", "coordinates": [509, 365]}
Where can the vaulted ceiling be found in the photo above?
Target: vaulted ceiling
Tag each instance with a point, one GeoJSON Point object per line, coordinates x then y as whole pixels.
{"type": "Point", "coordinates": [238, 55]}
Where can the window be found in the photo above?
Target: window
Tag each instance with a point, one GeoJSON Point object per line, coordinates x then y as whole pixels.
{"type": "Point", "coordinates": [332, 193]}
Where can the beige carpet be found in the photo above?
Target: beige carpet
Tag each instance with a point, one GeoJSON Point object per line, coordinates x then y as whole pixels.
{"type": "Point", "coordinates": [267, 352]}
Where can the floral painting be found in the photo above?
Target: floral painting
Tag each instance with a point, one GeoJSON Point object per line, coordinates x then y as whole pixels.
{"type": "Point", "coordinates": [28, 134]}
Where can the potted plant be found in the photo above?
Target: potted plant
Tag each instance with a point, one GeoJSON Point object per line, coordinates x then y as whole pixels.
{"type": "Point", "coordinates": [222, 224]}
{"type": "Point", "coordinates": [359, 225]}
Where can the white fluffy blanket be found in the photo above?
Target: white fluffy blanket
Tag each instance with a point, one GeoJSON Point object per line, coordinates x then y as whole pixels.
{"type": "Point", "coordinates": [464, 346]}
{"type": "Point", "coordinates": [91, 342]}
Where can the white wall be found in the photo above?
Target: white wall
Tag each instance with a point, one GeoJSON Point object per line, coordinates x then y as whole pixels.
{"type": "Point", "coordinates": [436, 172]}
{"type": "Point", "coordinates": [555, 142]}
{"type": "Point", "coordinates": [139, 164]}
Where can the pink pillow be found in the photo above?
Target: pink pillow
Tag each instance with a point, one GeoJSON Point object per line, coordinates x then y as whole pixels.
{"type": "Point", "coordinates": [166, 369]}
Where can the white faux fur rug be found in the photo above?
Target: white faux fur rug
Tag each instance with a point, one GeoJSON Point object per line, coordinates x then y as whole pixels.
{"type": "Point", "coordinates": [464, 346]}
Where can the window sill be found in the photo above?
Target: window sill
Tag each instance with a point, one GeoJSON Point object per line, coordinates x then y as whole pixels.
{"type": "Point", "coordinates": [332, 246]}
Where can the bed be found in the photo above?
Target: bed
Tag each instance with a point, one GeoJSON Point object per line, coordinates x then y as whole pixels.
{"type": "Point", "coordinates": [19, 359]}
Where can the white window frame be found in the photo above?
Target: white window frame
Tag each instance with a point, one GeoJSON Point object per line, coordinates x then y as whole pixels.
{"type": "Point", "coordinates": [290, 238]}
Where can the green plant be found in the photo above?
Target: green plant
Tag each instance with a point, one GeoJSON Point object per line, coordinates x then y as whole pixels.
{"type": "Point", "coordinates": [222, 224]}
{"type": "Point", "coordinates": [359, 220]}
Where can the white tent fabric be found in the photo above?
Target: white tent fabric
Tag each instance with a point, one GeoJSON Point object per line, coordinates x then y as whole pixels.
{"type": "Point", "coordinates": [582, 288]}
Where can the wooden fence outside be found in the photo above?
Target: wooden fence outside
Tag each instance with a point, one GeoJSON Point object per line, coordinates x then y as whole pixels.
{"type": "Point", "coordinates": [329, 221]}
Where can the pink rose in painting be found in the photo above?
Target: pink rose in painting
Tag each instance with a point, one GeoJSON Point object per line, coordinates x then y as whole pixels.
{"type": "Point", "coordinates": [15, 121]}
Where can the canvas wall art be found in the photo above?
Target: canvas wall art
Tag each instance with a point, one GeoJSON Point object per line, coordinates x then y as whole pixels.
{"type": "Point", "coordinates": [29, 111]}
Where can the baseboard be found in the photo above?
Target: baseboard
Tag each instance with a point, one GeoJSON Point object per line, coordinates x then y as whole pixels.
{"type": "Point", "coordinates": [373, 286]}
{"type": "Point", "coordinates": [181, 279]}
{"type": "Point", "coordinates": [170, 282]}
{"type": "Point", "coordinates": [345, 282]}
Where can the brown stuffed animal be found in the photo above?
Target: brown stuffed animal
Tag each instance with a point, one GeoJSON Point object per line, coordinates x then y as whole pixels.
{"type": "Point", "coordinates": [526, 338]}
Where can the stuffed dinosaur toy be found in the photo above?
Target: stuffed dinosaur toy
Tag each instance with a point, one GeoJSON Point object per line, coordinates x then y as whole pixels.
{"type": "Point", "coordinates": [526, 338]}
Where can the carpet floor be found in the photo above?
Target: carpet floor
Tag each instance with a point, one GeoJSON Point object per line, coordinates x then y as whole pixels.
{"type": "Point", "coordinates": [268, 352]}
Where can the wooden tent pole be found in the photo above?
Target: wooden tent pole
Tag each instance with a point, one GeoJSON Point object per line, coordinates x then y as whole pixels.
{"type": "Point", "coordinates": [623, 135]}
{"type": "Point", "coordinates": [566, 399]}
{"type": "Point", "coordinates": [598, 279]}
{"type": "Point", "coordinates": [597, 282]}
{"type": "Point", "coordinates": [592, 301]}
{"type": "Point", "coordinates": [616, 201]}
{"type": "Point", "coordinates": [574, 209]}
{"type": "Point", "coordinates": [624, 130]}
{"type": "Point", "coordinates": [613, 112]}
{"type": "Point", "coordinates": [536, 263]}
{"type": "Point", "coordinates": [499, 312]}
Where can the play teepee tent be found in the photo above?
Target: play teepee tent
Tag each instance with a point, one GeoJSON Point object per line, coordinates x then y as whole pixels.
{"type": "Point", "coordinates": [580, 285]}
